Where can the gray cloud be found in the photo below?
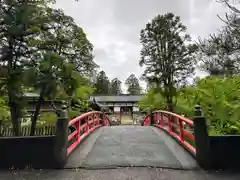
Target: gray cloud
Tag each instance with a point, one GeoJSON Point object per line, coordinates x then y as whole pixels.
{"type": "Point", "coordinates": [113, 26]}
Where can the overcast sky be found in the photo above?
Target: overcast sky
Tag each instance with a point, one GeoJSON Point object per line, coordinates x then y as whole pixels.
{"type": "Point", "coordinates": [113, 26]}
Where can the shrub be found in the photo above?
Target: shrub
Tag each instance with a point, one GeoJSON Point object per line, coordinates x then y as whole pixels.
{"type": "Point", "coordinates": [218, 96]}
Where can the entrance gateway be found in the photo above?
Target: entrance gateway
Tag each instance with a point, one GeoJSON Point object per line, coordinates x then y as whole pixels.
{"type": "Point", "coordinates": [124, 107]}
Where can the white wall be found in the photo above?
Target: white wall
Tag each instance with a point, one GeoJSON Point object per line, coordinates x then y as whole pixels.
{"type": "Point", "coordinates": [116, 109]}
{"type": "Point", "coordinates": [135, 109]}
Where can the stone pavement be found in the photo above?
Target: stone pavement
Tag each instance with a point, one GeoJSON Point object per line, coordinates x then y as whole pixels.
{"type": "Point", "coordinates": [118, 174]}
{"type": "Point", "coordinates": [121, 146]}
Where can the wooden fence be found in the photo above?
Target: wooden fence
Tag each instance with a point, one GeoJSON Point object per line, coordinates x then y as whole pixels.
{"type": "Point", "coordinates": [43, 130]}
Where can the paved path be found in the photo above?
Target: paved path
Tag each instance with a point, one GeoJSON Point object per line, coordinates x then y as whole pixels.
{"type": "Point", "coordinates": [117, 174]}
{"type": "Point", "coordinates": [119, 146]}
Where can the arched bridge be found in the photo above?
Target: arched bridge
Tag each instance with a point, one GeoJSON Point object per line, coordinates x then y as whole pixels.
{"type": "Point", "coordinates": [168, 143]}
{"type": "Point", "coordinates": [165, 140]}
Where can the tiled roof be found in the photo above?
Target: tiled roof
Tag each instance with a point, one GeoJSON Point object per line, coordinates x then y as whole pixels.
{"type": "Point", "coordinates": [30, 94]}
{"type": "Point", "coordinates": [120, 98]}
{"type": "Point", "coordinates": [101, 98]}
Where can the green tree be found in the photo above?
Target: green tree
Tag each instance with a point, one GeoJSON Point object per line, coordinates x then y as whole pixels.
{"type": "Point", "coordinates": [133, 85]}
{"type": "Point", "coordinates": [168, 61]}
{"type": "Point", "coordinates": [217, 95]}
{"type": "Point", "coordinates": [218, 53]}
{"type": "Point", "coordinates": [102, 85]}
{"type": "Point", "coordinates": [152, 99]}
{"type": "Point", "coordinates": [41, 48]}
{"type": "Point", "coordinates": [219, 98]}
{"type": "Point", "coordinates": [79, 102]}
{"type": "Point", "coordinates": [21, 23]}
{"type": "Point", "coordinates": [115, 87]}
{"type": "Point", "coordinates": [65, 57]}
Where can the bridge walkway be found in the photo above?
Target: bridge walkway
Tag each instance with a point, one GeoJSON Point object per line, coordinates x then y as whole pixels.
{"type": "Point", "coordinates": [120, 146]}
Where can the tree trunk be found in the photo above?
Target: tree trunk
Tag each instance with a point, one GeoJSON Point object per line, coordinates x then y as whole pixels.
{"type": "Point", "coordinates": [36, 112]}
{"type": "Point", "coordinates": [170, 104]}
{"type": "Point", "coordinates": [13, 89]}
{"type": "Point", "coordinates": [15, 117]}
{"type": "Point", "coordinates": [15, 112]}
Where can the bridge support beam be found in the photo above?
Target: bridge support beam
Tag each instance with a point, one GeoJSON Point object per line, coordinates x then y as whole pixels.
{"type": "Point", "coordinates": [203, 155]}
{"type": "Point", "coordinates": [60, 150]}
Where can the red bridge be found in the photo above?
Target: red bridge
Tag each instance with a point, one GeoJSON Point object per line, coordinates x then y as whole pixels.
{"type": "Point", "coordinates": [121, 146]}
{"type": "Point", "coordinates": [165, 140]}
{"type": "Point", "coordinates": [118, 146]}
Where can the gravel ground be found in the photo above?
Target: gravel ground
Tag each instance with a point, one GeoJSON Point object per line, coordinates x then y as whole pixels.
{"type": "Point", "coordinates": [136, 146]}
{"type": "Point", "coordinates": [118, 174]}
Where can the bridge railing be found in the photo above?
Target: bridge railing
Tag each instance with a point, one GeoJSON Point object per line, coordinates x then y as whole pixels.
{"type": "Point", "coordinates": [176, 125]}
{"type": "Point", "coordinates": [83, 125]}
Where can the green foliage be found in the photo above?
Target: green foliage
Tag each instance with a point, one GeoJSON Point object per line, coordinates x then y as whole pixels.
{"type": "Point", "coordinates": [4, 111]}
{"type": "Point", "coordinates": [168, 61]}
{"type": "Point", "coordinates": [43, 50]}
{"type": "Point", "coordinates": [115, 87]}
{"type": "Point", "coordinates": [21, 23]}
{"type": "Point", "coordinates": [133, 85]}
{"type": "Point", "coordinates": [73, 113]}
{"type": "Point", "coordinates": [102, 85]}
{"type": "Point", "coordinates": [218, 96]}
{"type": "Point", "coordinates": [218, 54]}
{"type": "Point", "coordinates": [153, 99]}
{"type": "Point", "coordinates": [47, 118]}
{"type": "Point", "coordinates": [82, 95]}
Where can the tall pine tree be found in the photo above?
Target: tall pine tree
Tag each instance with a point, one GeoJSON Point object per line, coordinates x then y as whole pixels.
{"type": "Point", "coordinates": [102, 85]}
{"type": "Point", "coordinates": [167, 59]}
{"type": "Point", "coordinates": [116, 87]}
{"type": "Point", "coordinates": [133, 85]}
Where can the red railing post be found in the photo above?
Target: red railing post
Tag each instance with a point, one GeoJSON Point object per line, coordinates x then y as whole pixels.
{"type": "Point", "coordinates": [162, 119]}
{"type": "Point", "coordinates": [87, 124]}
{"type": "Point", "coordinates": [181, 130]}
{"type": "Point", "coordinates": [94, 116]}
{"type": "Point", "coordinates": [78, 128]}
{"type": "Point", "coordinates": [155, 115]}
{"type": "Point", "coordinates": [151, 116]}
{"type": "Point", "coordinates": [102, 119]}
{"type": "Point", "coordinates": [99, 119]}
{"type": "Point", "coordinates": [169, 122]}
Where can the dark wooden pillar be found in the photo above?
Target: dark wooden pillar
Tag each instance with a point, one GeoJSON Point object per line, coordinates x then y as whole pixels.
{"type": "Point", "coordinates": [61, 142]}
{"type": "Point", "coordinates": [203, 155]}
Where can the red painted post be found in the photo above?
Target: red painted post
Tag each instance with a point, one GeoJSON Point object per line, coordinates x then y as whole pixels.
{"type": "Point", "coordinates": [181, 129]}
{"type": "Point", "coordinates": [99, 119]}
{"type": "Point", "coordinates": [102, 119]}
{"type": "Point", "coordinates": [105, 121]}
{"type": "Point", "coordinates": [87, 124]}
{"type": "Point", "coordinates": [156, 118]}
{"type": "Point", "coordinates": [151, 117]}
{"type": "Point", "coordinates": [162, 120]}
{"type": "Point", "coordinates": [78, 127]}
{"type": "Point", "coordinates": [94, 116]}
{"type": "Point", "coordinates": [169, 123]}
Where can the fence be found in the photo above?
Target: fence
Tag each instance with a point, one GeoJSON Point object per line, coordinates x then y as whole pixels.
{"type": "Point", "coordinates": [43, 130]}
